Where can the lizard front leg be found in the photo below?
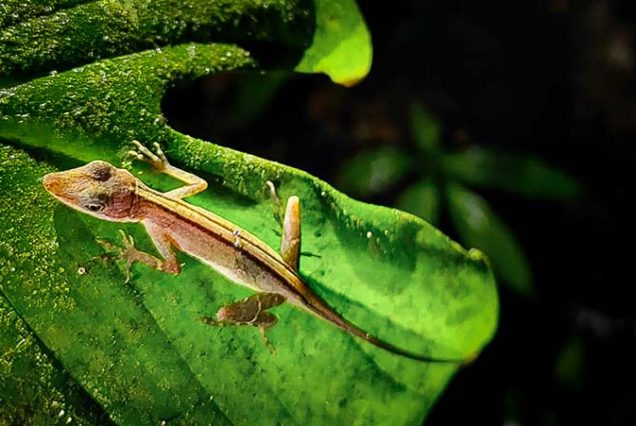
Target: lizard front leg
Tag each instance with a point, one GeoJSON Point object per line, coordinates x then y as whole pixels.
{"type": "Point", "coordinates": [131, 254]}
{"type": "Point", "coordinates": [290, 240]}
{"type": "Point", "coordinates": [158, 161]}
{"type": "Point", "coordinates": [249, 311]}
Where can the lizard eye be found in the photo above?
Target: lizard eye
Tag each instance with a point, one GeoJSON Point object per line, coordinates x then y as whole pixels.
{"type": "Point", "coordinates": [94, 207]}
{"type": "Point", "coordinates": [102, 174]}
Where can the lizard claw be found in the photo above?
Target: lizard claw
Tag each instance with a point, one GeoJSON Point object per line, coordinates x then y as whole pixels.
{"type": "Point", "coordinates": [128, 240]}
{"type": "Point", "coordinates": [156, 159]}
{"type": "Point", "coordinates": [210, 321]}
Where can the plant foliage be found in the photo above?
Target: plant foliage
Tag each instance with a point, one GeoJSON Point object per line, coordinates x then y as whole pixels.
{"type": "Point", "coordinates": [81, 80]}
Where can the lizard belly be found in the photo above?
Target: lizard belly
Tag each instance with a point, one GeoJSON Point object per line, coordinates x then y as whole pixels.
{"type": "Point", "coordinates": [230, 260]}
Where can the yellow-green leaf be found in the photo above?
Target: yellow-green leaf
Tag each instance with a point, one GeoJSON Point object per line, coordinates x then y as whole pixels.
{"type": "Point", "coordinates": [341, 46]}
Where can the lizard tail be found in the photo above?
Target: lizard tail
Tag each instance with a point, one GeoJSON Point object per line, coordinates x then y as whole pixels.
{"type": "Point", "coordinates": [321, 310]}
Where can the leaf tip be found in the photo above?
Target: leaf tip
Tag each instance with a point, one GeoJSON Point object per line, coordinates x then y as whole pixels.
{"type": "Point", "coordinates": [341, 47]}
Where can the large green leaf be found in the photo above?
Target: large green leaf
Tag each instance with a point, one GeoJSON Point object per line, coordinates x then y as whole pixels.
{"type": "Point", "coordinates": [137, 351]}
{"type": "Point", "coordinates": [71, 33]}
{"type": "Point", "coordinates": [327, 36]}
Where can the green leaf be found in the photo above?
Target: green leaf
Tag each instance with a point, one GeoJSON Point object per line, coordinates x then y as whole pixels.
{"type": "Point", "coordinates": [569, 368]}
{"type": "Point", "coordinates": [519, 174]}
{"type": "Point", "coordinates": [325, 36]}
{"type": "Point", "coordinates": [96, 327]}
{"type": "Point", "coordinates": [425, 130]}
{"type": "Point", "coordinates": [421, 199]}
{"type": "Point", "coordinates": [138, 351]}
{"type": "Point", "coordinates": [341, 46]}
{"type": "Point", "coordinates": [479, 226]}
{"type": "Point", "coordinates": [373, 171]}
{"type": "Point", "coordinates": [34, 388]}
{"type": "Point", "coordinates": [71, 33]}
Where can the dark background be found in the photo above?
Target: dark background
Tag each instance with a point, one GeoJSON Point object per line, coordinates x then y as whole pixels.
{"type": "Point", "coordinates": [553, 78]}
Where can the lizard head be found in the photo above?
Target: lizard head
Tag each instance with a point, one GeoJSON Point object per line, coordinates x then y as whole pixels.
{"type": "Point", "coordinates": [97, 188]}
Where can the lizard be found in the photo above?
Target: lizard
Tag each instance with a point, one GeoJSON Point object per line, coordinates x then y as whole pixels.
{"type": "Point", "coordinates": [114, 194]}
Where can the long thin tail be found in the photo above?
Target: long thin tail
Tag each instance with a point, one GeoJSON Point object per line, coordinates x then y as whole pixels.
{"type": "Point", "coordinates": [322, 310]}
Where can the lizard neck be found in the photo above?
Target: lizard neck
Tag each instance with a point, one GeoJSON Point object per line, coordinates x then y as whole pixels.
{"type": "Point", "coordinates": [144, 205]}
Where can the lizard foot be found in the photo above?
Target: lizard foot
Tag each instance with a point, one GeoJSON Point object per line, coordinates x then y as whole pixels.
{"type": "Point", "coordinates": [262, 330]}
{"type": "Point", "coordinates": [128, 252]}
{"type": "Point", "coordinates": [156, 159]}
{"type": "Point", "coordinates": [251, 311]}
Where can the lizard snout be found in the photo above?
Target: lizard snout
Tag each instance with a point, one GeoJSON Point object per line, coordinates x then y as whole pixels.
{"type": "Point", "coordinates": [52, 182]}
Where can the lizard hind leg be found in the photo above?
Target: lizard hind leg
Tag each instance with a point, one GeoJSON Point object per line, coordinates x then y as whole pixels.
{"type": "Point", "coordinates": [250, 311]}
{"type": "Point", "coordinates": [290, 241]}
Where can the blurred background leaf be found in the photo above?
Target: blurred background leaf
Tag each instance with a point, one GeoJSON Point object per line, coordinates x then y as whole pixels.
{"type": "Point", "coordinates": [425, 130]}
{"type": "Point", "coordinates": [373, 171]}
{"type": "Point", "coordinates": [421, 199]}
{"type": "Point", "coordinates": [570, 363]}
{"type": "Point", "coordinates": [480, 227]}
{"type": "Point", "coordinates": [524, 175]}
